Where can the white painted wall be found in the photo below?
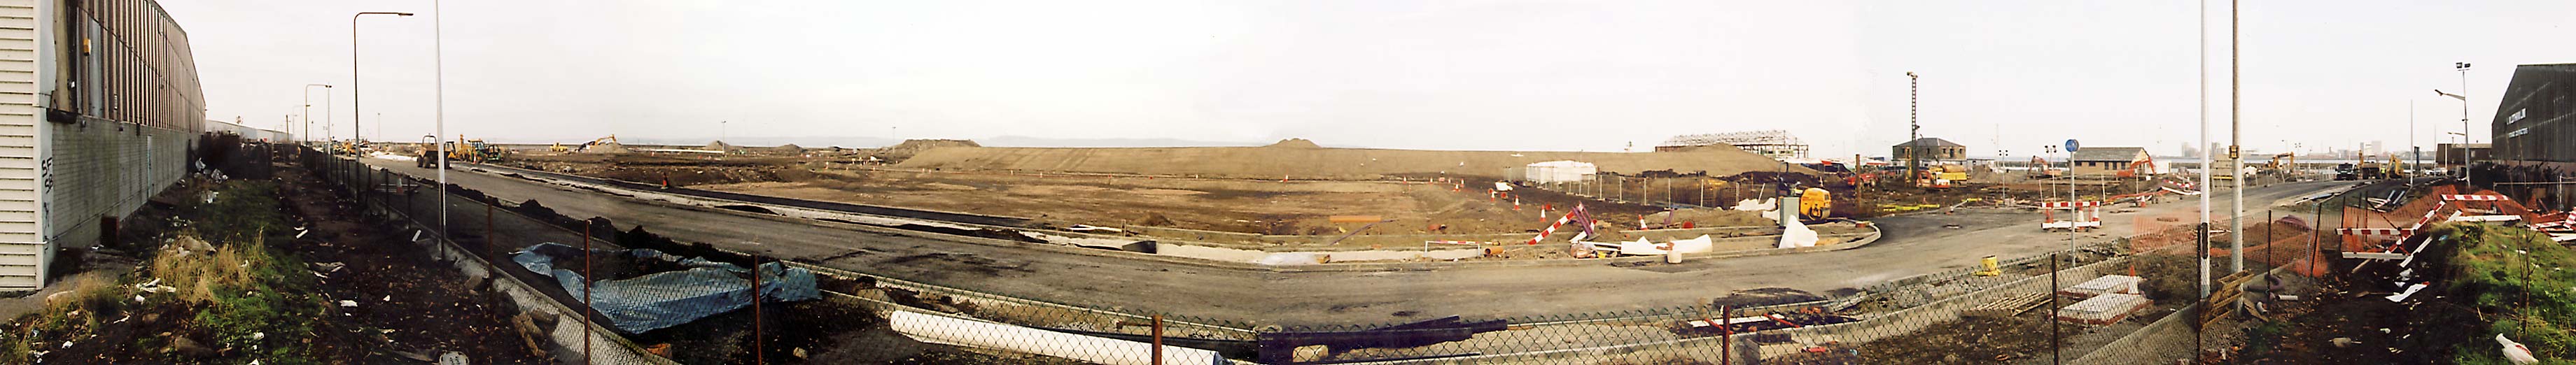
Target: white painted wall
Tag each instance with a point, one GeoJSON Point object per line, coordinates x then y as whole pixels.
{"type": "Point", "coordinates": [23, 252]}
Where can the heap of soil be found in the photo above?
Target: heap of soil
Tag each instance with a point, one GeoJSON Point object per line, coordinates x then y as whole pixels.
{"type": "Point", "coordinates": [1295, 143]}
{"type": "Point", "coordinates": [720, 146]}
{"type": "Point", "coordinates": [787, 148]}
{"type": "Point", "coordinates": [611, 147]}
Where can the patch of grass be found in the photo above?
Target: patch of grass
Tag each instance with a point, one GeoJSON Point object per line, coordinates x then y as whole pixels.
{"type": "Point", "coordinates": [2518, 277]}
{"type": "Point", "coordinates": [2264, 338]}
{"type": "Point", "coordinates": [241, 210]}
{"type": "Point", "coordinates": [73, 313]}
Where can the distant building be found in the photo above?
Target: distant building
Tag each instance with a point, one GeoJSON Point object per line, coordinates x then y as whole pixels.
{"type": "Point", "coordinates": [2532, 119]}
{"type": "Point", "coordinates": [1776, 144]}
{"type": "Point", "coordinates": [1932, 149]}
{"type": "Point", "coordinates": [2451, 154]}
{"type": "Point", "coordinates": [1551, 172]}
{"type": "Point", "coordinates": [2110, 160]}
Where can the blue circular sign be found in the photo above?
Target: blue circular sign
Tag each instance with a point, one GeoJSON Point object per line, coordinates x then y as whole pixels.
{"type": "Point", "coordinates": [2070, 145]}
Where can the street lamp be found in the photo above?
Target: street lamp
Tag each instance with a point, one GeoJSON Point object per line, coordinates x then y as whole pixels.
{"type": "Point", "coordinates": [308, 108]}
{"type": "Point", "coordinates": [2463, 67]}
{"type": "Point", "coordinates": [355, 104]}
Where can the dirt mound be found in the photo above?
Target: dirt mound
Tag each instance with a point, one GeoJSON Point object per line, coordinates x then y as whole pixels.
{"type": "Point", "coordinates": [720, 146]}
{"type": "Point", "coordinates": [1281, 160]}
{"type": "Point", "coordinates": [611, 147]}
{"type": "Point", "coordinates": [1295, 143]}
{"type": "Point", "coordinates": [787, 148]}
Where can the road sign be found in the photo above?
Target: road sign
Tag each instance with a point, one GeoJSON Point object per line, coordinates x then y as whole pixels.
{"type": "Point", "coordinates": [2070, 145]}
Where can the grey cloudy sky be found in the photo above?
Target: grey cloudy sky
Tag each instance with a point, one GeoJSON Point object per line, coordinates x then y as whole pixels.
{"type": "Point", "coordinates": [1998, 75]}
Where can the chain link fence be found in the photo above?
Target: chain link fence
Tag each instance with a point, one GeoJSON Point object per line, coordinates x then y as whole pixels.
{"type": "Point", "coordinates": [646, 299]}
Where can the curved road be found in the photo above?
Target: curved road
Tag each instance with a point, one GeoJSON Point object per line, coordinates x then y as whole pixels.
{"type": "Point", "coordinates": [1913, 245]}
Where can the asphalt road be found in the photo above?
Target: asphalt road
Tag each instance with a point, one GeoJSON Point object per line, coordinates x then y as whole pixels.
{"type": "Point", "coordinates": [1913, 244]}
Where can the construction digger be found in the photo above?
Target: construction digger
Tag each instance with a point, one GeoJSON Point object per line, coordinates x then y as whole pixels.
{"type": "Point", "coordinates": [602, 141]}
{"type": "Point", "coordinates": [2041, 170]}
{"type": "Point", "coordinates": [472, 151]}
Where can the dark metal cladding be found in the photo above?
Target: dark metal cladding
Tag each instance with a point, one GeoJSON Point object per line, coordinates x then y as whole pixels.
{"type": "Point", "coordinates": [122, 60]}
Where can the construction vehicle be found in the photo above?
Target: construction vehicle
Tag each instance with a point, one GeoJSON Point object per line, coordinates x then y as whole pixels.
{"type": "Point", "coordinates": [2371, 170]}
{"type": "Point", "coordinates": [480, 152]}
{"type": "Point", "coordinates": [2346, 172]}
{"type": "Point", "coordinates": [2396, 168]}
{"type": "Point", "coordinates": [348, 147]}
{"type": "Point", "coordinates": [429, 152]}
{"type": "Point", "coordinates": [2041, 170]}
{"type": "Point", "coordinates": [585, 146]}
{"type": "Point", "coordinates": [558, 147]}
{"type": "Point", "coordinates": [1815, 203]}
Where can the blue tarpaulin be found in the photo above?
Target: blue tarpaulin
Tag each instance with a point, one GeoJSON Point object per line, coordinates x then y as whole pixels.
{"type": "Point", "coordinates": [671, 298]}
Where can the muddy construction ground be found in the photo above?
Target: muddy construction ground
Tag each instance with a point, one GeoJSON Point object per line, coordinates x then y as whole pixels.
{"type": "Point", "coordinates": [1231, 205]}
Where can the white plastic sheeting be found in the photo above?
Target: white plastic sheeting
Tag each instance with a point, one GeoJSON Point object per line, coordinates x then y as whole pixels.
{"type": "Point", "coordinates": [1794, 235]}
{"type": "Point", "coordinates": [1768, 207]}
{"type": "Point", "coordinates": [969, 333]}
{"type": "Point", "coordinates": [1702, 244]}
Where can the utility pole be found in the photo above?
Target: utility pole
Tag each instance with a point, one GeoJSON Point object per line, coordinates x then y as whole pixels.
{"type": "Point", "coordinates": [2203, 16]}
{"type": "Point", "coordinates": [1914, 120]}
{"type": "Point", "coordinates": [2235, 157]}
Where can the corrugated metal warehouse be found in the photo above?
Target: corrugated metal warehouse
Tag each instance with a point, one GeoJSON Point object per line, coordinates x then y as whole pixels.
{"type": "Point", "coordinates": [99, 108]}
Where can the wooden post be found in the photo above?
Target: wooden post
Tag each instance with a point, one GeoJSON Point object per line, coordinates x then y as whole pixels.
{"type": "Point", "coordinates": [1158, 339]}
{"type": "Point", "coordinates": [1726, 335]}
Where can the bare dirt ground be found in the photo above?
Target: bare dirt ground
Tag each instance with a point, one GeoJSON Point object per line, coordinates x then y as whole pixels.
{"type": "Point", "coordinates": [1231, 205]}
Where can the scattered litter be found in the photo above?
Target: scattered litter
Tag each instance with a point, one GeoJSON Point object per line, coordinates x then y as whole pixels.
{"type": "Point", "coordinates": [122, 320]}
{"type": "Point", "coordinates": [349, 303]}
{"type": "Point", "coordinates": [2515, 352]}
{"type": "Point", "coordinates": [452, 358]}
{"type": "Point", "coordinates": [138, 299]}
{"type": "Point", "coordinates": [2401, 296]}
{"type": "Point", "coordinates": [67, 344]}
{"type": "Point", "coordinates": [2343, 341]}
{"type": "Point", "coordinates": [1086, 227]}
{"type": "Point", "coordinates": [299, 232]}
{"type": "Point", "coordinates": [154, 286]}
{"type": "Point", "coordinates": [387, 298]}
{"type": "Point", "coordinates": [329, 266]}
{"type": "Point", "coordinates": [255, 336]}
{"type": "Point", "coordinates": [415, 236]}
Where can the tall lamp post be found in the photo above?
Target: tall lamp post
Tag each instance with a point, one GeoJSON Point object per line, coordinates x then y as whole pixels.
{"type": "Point", "coordinates": [308, 108]}
{"type": "Point", "coordinates": [2463, 67]}
{"type": "Point", "coordinates": [356, 104]}
{"type": "Point", "coordinates": [438, 111]}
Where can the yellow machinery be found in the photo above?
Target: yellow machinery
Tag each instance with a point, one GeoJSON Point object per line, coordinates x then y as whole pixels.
{"type": "Point", "coordinates": [1992, 267]}
{"type": "Point", "coordinates": [2396, 169]}
{"type": "Point", "coordinates": [1815, 203]}
{"type": "Point", "coordinates": [602, 141]}
{"type": "Point", "coordinates": [429, 151]}
{"type": "Point", "coordinates": [558, 148]}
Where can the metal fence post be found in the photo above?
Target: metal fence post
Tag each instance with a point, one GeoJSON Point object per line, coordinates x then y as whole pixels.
{"type": "Point", "coordinates": [587, 310]}
{"type": "Point", "coordinates": [758, 356]}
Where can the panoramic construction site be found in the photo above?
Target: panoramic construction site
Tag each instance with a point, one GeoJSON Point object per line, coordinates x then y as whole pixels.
{"type": "Point", "coordinates": [1672, 255]}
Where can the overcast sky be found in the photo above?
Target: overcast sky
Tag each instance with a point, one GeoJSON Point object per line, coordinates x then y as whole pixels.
{"type": "Point", "coordinates": [1998, 76]}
